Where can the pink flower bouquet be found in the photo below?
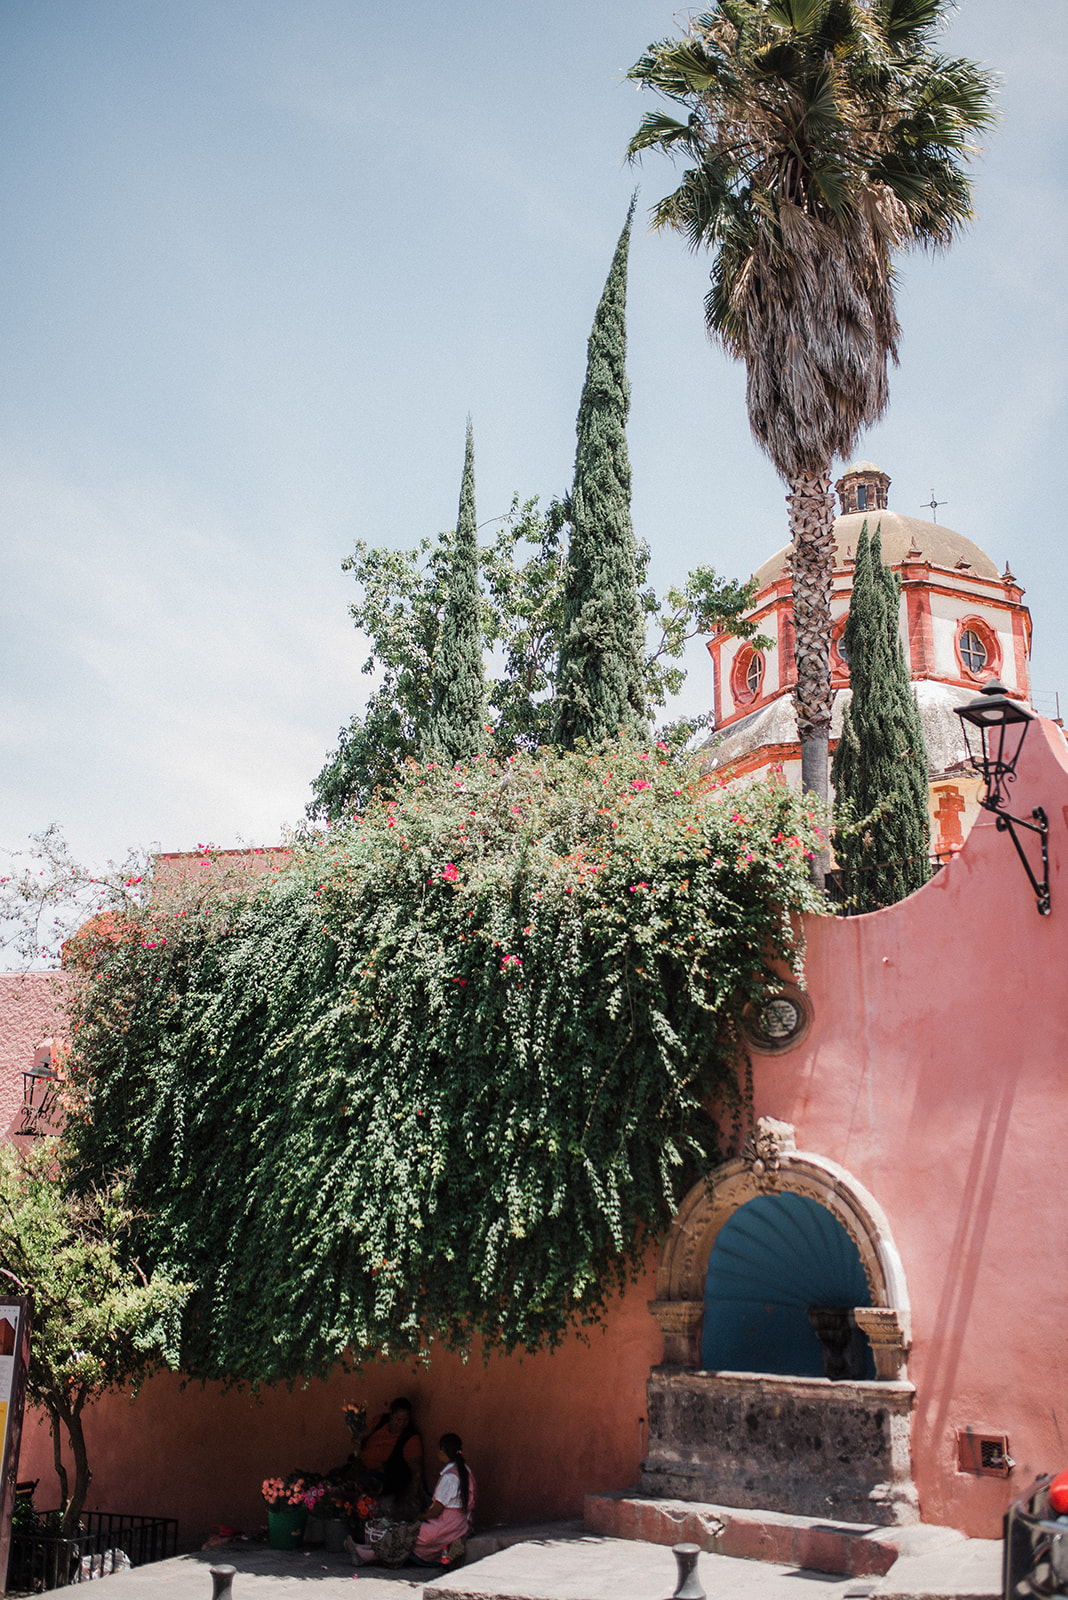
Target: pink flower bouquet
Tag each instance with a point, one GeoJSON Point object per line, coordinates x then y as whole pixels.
{"type": "Point", "coordinates": [281, 1492]}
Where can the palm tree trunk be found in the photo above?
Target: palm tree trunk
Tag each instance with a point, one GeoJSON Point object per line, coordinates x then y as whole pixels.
{"type": "Point", "coordinates": [811, 505]}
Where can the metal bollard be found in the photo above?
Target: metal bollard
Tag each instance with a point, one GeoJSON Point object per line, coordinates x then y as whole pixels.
{"type": "Point", "coordinates": [689, 1584]}
{"type": "Point", "coordinates": [221, 1581]}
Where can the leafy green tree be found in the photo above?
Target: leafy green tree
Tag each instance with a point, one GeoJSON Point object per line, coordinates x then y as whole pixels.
{"type": "Point", "coordinates": [99, 1322]}
{"type": "Point", "coordinates": [440, 1076]}
{"type": "Point", "coordinates": [456, 729]}
{"type": "Point", "coordinates": [523, 589]}
{"type": "Point", "coordinates": [401, 607]}
{"type": "Point", "coordinates": [822, 136]}
{"type": "Point", "coordinates": [882, 826]}
{"type": "Point", "coordinates": [600, 689]}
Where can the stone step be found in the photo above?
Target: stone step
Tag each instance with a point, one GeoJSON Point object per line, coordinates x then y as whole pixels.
{"type": "Point", "coordinates": [488, 1541]}
{"type": "Point", "coordinates": [851, 1549]}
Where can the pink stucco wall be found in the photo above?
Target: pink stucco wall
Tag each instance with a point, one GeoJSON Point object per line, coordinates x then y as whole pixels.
{"type": "Point", "coordinates": [935, 1071]}
{"type": "Point", "coordinates": [539, 1432]}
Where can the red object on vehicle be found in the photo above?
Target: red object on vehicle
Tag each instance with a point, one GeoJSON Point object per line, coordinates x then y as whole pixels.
{"type": "Point", "coordinates": [1058, 1493]}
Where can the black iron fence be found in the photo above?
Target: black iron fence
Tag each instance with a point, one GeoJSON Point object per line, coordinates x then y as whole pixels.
{"type": "Point", "coordinates": [107, 1541]}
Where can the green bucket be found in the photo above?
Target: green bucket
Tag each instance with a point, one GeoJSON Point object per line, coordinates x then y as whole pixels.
{"type": "Point", "coordinates": [285, 1526]}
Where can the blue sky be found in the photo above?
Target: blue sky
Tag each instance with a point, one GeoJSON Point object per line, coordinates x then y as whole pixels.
{"type": "Point", "coordinates": [259, 260]}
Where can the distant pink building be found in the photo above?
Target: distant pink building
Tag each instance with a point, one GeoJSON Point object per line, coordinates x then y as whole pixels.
{"type": "Point", "coordinates": [899, 1216]}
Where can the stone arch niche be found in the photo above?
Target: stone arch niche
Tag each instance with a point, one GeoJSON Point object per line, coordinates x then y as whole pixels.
{"type": "Point", "coordinates": [810, 1446]}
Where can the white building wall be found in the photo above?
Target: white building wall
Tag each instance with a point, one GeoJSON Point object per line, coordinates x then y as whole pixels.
{"type": "Point", "coordinates": [947, 611]}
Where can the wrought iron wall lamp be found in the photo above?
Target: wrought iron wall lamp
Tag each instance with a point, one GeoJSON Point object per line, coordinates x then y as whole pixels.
{"type": "Point", "coordinates": [995, 728]}
{"type": "Point", "coordinates": [38, 1096]}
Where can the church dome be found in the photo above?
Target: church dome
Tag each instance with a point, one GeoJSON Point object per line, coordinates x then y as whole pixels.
{"type": "Point", "coordinates": [903, 539]}
{"type": "Point", "coordinates": [862, 494]}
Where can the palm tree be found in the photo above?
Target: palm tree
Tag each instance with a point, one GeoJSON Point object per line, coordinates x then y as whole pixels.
{"type": "Point", "coordinates": [825, 135]}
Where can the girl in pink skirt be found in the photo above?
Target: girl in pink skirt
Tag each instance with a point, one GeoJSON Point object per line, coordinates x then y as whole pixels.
{"type": "Point", "coordinates": [440, 1528]}
{"type": "Point", "coordinates": [449, 1517]}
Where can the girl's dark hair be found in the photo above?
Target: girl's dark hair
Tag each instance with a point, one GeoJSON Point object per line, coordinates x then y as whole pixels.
{"type": "Point", "coordinates": [453, 1447]}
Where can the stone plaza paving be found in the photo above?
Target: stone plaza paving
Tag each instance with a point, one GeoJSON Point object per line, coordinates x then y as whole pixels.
{"type": "Point", "coordinates": [576, 1566]}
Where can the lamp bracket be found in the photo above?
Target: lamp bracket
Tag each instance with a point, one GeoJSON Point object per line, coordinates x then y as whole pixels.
{"type": "Point", "coordinates": [1009, 824]}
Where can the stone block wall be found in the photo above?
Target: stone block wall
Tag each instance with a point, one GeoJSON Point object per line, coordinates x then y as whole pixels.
{"type": "Point", "coordinates": [800, 1445]}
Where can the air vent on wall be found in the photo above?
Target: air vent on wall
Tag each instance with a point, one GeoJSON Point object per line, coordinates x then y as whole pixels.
{"type": "Point", "coordinates": [986, 1453]}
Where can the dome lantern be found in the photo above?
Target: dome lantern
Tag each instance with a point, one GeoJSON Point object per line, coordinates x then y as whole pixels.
{"type": "Point", "coordinates": [862, 487]}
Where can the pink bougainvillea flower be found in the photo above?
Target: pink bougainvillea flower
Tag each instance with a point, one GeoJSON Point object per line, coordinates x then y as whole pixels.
{"type": "Point", "coordinates": [639, 783]}
{"type": "Point", "coordinates": [450, 872]}
{"type": "Point", "coordinates": [511, 961]}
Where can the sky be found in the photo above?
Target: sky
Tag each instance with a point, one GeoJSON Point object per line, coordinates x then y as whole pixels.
{"type": "Point", "coordinates": [260, 260]}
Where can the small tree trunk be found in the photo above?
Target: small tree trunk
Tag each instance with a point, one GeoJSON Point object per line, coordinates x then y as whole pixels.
{"type": "Point", "coordinates": [56, 1425]}
{"type": "Point", "coordinates": [82, 1475]}
{"type": "Point", "coordinates": [811, 506]}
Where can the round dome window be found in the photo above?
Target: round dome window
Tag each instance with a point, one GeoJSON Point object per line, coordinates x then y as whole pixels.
{"type": "Point", "coordinates": [977, 648]}
{"type": "Point", "coordinates": [747, 676]}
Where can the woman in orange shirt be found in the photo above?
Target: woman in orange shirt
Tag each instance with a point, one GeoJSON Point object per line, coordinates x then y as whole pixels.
{"type": "Point", "coordinates": [391, 1461]}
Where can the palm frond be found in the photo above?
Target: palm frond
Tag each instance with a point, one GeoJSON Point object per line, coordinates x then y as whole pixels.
{"type": "Point", "coordinates": [909, 23]}
{"type": "Point", "coordinates": [658, 131]}
{"type": "Point", "coordinates": [823, 136]}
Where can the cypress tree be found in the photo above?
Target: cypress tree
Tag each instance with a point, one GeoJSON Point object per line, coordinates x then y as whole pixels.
{"type": "Point", "coordinates": [456, 727]}
{"type": "Point", "coordinates": [600, 679]}
{"type": "Point", "coordinates": [882, 831]}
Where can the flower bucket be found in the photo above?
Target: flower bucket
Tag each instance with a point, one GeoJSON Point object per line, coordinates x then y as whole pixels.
{"type": "Point", "coordinates": [285, 1526]}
